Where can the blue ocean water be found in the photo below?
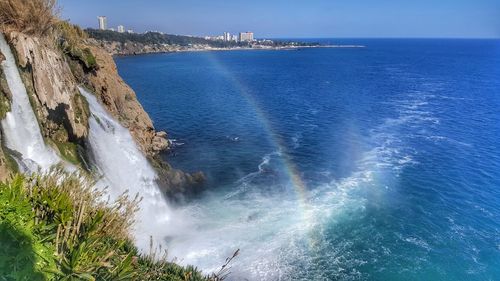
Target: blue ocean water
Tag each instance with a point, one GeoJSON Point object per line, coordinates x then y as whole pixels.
{"type": "Point", "coordinates": [375, 163]}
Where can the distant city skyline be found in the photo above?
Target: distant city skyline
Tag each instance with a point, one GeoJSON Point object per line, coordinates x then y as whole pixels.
{"type": "Point", "coordinates": [288, 19]}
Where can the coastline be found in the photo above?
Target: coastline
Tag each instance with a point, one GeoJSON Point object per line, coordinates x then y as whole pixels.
{"type": "Point", "coordinates": [111, 48]}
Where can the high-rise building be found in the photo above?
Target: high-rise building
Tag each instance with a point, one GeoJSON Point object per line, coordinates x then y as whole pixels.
{"type": "Point", "coordinates": [121, 29]}
{"type": "Point", "coordinates": [103, 22]}
{"type": "Point", "coordinates": [246, 36]}
{"type": "Point", "coordinates": [234, 38]}
{"type": "Point", "coordinates": [227, 36]}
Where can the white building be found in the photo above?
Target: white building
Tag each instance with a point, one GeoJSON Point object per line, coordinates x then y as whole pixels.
{"type": "Point", "coordinates": [121, 29]}
{"type": "Point", "coordinates": [246, 36]}
{"type": "Point", "coordinates": [227, 36]}
{"type": "Point", "coordinates": [103, 22]}
{"type": "Point", "coordinates": [130, 31]}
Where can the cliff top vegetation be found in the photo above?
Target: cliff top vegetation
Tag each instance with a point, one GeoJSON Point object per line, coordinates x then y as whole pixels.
{"type": "Point", "coordinates": [32, 17]}
{"type": "Point", "coordinates": [56, 226]}
{"type": "Point", "coordinates": [150, 38]}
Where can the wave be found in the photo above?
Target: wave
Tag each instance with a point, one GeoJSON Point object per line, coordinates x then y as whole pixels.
{"type": "Point", "coordinates": [283, 235]}
{"type": "Point", "coordinates": [243, 183]}
{"type": "Point", "coordinates": [278, 237]}
{"type": "Point", "coordinates": [296, 139]}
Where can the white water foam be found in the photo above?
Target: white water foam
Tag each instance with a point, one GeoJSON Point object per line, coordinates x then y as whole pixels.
{"type": "Point", "coordinates": [278, 238]}
{"type": "Point", "coordinates": [123, 168]}
{"type": "Point", "coordinates": [20, 126]}
{"type": "Point", "coordinates": [202, 234]}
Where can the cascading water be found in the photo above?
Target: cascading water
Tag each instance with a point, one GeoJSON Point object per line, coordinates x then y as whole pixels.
{"type": "Point", "coordinates": [121, 163]}
{"type": "Point", "coordinates": [20, 127]}
{"type": "Point", "coordinates": [125, 168]}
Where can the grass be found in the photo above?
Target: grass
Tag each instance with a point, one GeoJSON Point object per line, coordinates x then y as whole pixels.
{"type": "Point", "coordinates": [32, 17]}
{"type": "Point", "coordinates": [39, 18]}
{"type": "Point", "coordinates": [57, 227]}
{"type": "Point", "coordinates": [69, 151]}
{"type": "Point", "coordinates": [70, 39]}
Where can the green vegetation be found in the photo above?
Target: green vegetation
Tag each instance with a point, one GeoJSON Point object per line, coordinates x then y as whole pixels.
{"type": "Point", "coordinates": [10, 162]}
{"type": "Point", "coordinates": [4, 96]}
{"type": "Point", "coordinates": [70, 40]}
{"type": "Point", "coordinates": [57, 227]}
{"type": "Point", "coordinates": [156, 38]}
{"type": "Point", "coordinates": [82, 111]}
{"type": "Point", "coordinates": [152, 38]}
{"type": "Point", "coordinates": [4, 106]}
{"type": "Point", "coordinates": [69, 151]}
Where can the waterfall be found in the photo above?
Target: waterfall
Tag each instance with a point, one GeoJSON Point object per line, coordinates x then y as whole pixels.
{"type": "Point", "coordinates": [20, 127]}
{"type": "Point", "coordinates": [123, 167]}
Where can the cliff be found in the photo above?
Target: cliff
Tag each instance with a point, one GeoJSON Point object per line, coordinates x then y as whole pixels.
{"type": "Point", "coordinates": [52, 67]}
{"type": "Point", "coordinates": [58, 225]}
{"type": "Point", "coordinates": [117, 43]}
{"type": "Point", "coordinates": [6, 166]}
{"type": "Point", "coordinates": [136, 48]}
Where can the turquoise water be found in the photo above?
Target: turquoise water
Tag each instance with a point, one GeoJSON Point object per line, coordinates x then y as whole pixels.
{"type": "Point", "coordinates": [377, 163]}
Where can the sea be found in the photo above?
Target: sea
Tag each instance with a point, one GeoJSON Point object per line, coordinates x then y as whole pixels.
{"type": "Point", "coordinates": [373, 163]}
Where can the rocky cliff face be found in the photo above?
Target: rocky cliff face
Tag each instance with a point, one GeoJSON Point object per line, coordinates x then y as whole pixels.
{"type": "Point", "coordinates": [135, 48]}
{"type": "Point", "coordinates": [5, 95]}
{"type": "Point", "coordinates": [51, 75]}
{"type": "Point", "coordinates": [58, 104]}
{"type": "Point", "coordinates": [121, 101]}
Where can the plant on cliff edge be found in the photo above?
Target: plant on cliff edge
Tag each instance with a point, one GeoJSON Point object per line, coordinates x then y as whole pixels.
{"type": "Point", "coordinates": [70, 40]}
{"type": "Point", "coordinates": [56, 226]}
{"type": "Point", "coordinates": [33, 17]}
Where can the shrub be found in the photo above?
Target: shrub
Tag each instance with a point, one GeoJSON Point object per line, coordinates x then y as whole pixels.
{"type": "Point", "coordinates": [56, 226]}
{"type": "Point", "coordinates": [71, 33]}
{"type": "Point", "coordinates": [33, 17]}
{"type": "Point", "coordinates": [70, 39]}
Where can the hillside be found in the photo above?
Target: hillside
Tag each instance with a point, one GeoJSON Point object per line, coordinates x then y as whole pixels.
{"type": "Point", "coordinates": [117, 43]}
{"type": "Point", "coordinates": [55, 223]}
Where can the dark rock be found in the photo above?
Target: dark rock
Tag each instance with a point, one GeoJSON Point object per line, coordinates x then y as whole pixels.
{"type": "Point", "coordinates": [175, 183]}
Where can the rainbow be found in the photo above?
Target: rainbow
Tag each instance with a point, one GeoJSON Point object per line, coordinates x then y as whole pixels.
{"type": "Point", "coordinates": [291, 170]}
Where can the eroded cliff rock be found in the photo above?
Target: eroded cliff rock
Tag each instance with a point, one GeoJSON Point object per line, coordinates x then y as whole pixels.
{"type": "Point", "coordinates": [53, 87]}
{"type": "Point", "coordinates": [7, 166]}
{"type": "Point", "coordinates": [120, 100]}
{"type": "Point", "coordinates": [52, 73]}
{"type": "Point", "coordinates": [5, 94]}
{"type": "Point", "coordinates": [136, 48]}
{"type": "Point", "coordinates": [5, 172]}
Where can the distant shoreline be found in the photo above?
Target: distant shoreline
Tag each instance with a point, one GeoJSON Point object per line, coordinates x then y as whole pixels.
{"type": "Point", "coordinates": [255, 48]}
{"type": "Point", "coordinates": [126, 44]}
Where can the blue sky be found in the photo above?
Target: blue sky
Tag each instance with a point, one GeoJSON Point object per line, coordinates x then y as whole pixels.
{"type": "Point", "coordinates": [296, 18]}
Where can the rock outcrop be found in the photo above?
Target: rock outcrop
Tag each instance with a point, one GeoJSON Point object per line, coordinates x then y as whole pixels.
{"type": "Point", "coordinates": [136, 48]}
{"type": "Point", "coordinates": [6, 165]}
{"type": "Point", "coordinates": [53, 88]}
{"type": "Point", "coordinates": [121, 101]}
{"type": "Point", "coordinates": [52, 73]}
{"type": "Point", "coordinates": [5, 171]}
